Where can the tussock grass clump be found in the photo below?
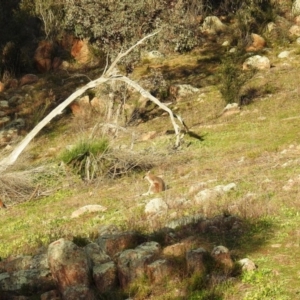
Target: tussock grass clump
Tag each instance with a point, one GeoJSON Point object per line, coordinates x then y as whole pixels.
{"type": "Point", "coordinates": [93, 159]}
{"type": "Point", "coordinates": [86, 157]}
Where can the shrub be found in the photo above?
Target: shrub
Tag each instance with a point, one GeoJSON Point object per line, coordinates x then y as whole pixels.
{"type": "Point", "coordinates": [86, 158]}
{"type": "Point", "coordinates": [233, 78]}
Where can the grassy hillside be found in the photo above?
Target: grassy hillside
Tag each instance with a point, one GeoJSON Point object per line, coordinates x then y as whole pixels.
{"type": "Point", "coordinates": [257, 148]}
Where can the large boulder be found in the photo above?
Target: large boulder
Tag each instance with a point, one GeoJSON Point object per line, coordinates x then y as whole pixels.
{"type": "Point", "coordinates": [69, 266]}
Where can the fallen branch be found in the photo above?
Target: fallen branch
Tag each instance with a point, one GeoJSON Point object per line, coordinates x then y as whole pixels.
{"type": "Point", "coordinates": [109, 75]}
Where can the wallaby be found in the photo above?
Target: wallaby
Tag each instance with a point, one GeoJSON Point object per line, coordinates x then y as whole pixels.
{"type": "Point", "coordinates": [2, 205]}
{"type": "Point", "coordinates": [157, 185]}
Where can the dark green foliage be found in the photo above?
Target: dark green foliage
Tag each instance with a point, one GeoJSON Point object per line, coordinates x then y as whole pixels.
{"type": "Point", "coordinates": [114, 25]}
{"type": "Point", "coordinates": [233, 78]}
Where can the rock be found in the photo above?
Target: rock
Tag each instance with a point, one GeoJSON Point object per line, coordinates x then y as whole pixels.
{"type": "Point", "coordinates": [159, 271]}
{"type": "Point", "coordinates": [4, 121]}
{"type": "Point", "coordinates": [295, 30]}
{"type": "Point", "coordinates": [204, 195]}
{"type": "Point", "coordinates": [15, 100]}
{"type": "Point", "coordinates": [28, 79]}
{"type": "Point", "coordinates": [196, 260]}
{"type": "Point", "coordinates": [88, 209]}
{"type": "Point", "coordinates": [96, 255]}
{"type": "Point", "coordinates": [2, 87]}
{"type": "Point", "coordinates": [43, 56]}
{"type": "Point", "coordinates": [109, 230]}
{"type": "Point", "coordinates": [70, 270]}
{"type": "Point", "coordinates": [247, 264]}
{"type": "Point", "coordinates": [181, 92]}
{"type": "Point", "coordinates": [284, 54]}
{"type": "Point", "coordinates": [132, 263]}
{"type": "Point", "coordinates": [296, 8]}
{"type": "Point", "coordinates": [156, 205]}
{"type": "Point", "coordinates": [212, 25]}
{"type": "Point", "coordinates": [80, 51]}
{"type": "Point", "coordinates": [105, 276]}
{"type": "Point", "coordinates": [30, 271]}
{"type": "Point", "coordinates": [258, 43]}
{"type": "Point", "coordinates": [188, 220]}
{"type": "Point", "coordinates": [222, 256]}
{"type": "Point", "coordinates": [114, 243]}
{"type": "Point", "coordinates": [151, 55]}
{"type": "Point", "coordinates": [148, 136]}
{"type": "Point", "coordinates": [3, 104]}
{"type": "Point", "coordinates": [257, 62]}
{"type": "Point", "coordinates": [176, 250]}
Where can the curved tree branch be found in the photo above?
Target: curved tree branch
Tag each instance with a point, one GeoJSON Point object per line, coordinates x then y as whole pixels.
{"type": "Point", "coordinates": [110, 74]}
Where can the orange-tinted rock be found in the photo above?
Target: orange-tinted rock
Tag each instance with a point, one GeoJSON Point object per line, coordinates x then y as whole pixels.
{"type": "Point", "coordinates": [43, 56]}
{"type": "Point", "coordinates": [1, 87]}
{"type": "Point", "coordinates": [28, 79]}
{"type": "Point", "coordinates": [80, 51]}
{"type": "Point", "coordinates": [258, 43]}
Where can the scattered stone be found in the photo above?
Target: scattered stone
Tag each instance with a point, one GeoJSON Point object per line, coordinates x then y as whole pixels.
{"type": "Point", "coordinates": [182, 92]}
{"type": "Point", "coordinates": [284, 54]}
{"type": "Point", "coordinates": [258, 43]}
{"type": "Point", "coordinates": [213, 25]}
{"type": "Point", "coordinates": [151, 54]}
{"type": "Point", "coordinates": [88, 209]}
{"type": "Point", "coordinates": [156, 205]}
{"type": "Point", "coordinates": [80, 51]}
{"type": "Point", "coordinates": [257, 62]}
{"type": "Point", "coordinates": [247, 264]}
{"type": "Point", "coordinates": [295, 30]}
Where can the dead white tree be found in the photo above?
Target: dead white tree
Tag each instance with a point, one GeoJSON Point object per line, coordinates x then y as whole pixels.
{"type": "Point", "coordinates": [108, 75]}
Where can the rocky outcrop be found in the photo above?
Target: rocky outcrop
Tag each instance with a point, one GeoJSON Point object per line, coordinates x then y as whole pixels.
{"type": "Point", "coordinates": [116, 260]}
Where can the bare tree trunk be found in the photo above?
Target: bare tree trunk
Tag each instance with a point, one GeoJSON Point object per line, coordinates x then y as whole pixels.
{"type": "Point", "coordinates": [109, 74]}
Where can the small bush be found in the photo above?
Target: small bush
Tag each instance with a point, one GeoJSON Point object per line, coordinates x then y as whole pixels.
{"type": "Point", "coordinates": [233, 78]}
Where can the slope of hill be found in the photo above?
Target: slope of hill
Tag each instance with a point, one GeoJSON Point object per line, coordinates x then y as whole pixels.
{"type": "Point", "coordinates": [256, 147]}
